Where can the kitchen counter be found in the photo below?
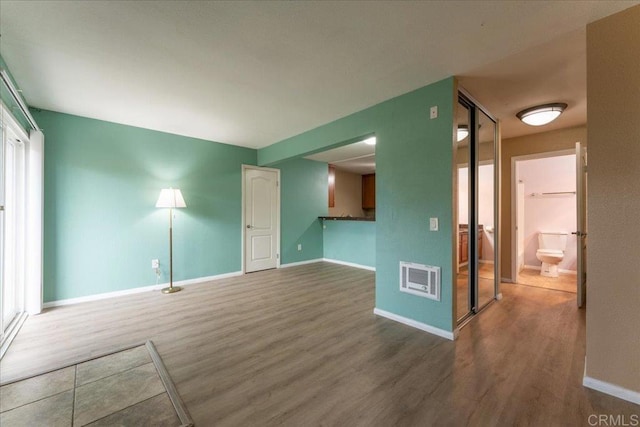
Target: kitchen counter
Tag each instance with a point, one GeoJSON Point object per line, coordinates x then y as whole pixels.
{"type": "Point", "coordinates": [346, 218]}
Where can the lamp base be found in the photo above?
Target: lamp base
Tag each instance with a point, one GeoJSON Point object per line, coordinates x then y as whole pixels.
{"type": "Point", "coordinates": [171, 290]}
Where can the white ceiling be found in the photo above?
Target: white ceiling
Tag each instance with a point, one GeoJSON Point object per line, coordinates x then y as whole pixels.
{"type": "Point", "coordinates": [254, 73]}
{"type": "Point", "coordinates": [359, 158]}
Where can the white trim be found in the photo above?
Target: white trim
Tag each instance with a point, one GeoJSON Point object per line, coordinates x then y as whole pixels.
{"type": "Point", "coordinates": [12, 332]}
{"type": "Point", "coordinates": [9, 119]}
{"type": "Point", "coordinates": [243, 219]}
{"type": "Point", "coordinates": [611, 389]}
{"type": "Point", "coordinates": [349, 264]}
{"type": "Point", "coordinates": [12, 130]}
{"type": "Point", "coordinates": [131, 291]}
{"type": "Point", "coordinates": [561, 270]}
{"type": "Point", "coordinates": [295, 264]}
{"type": "Point", "coordinates": [34, 222]}
{"type": "Point", "coordinates": [418, 325]}
{"type": "Point", "coordinates": [505, 280]}
{"type": "Point", "coordinates": [15, 94]}
{"type": "Point", "coordinates": [485, 261]}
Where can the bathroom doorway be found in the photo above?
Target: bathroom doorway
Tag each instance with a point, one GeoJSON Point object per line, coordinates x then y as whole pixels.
{"type": "Point", "coordinates": [548, 241]}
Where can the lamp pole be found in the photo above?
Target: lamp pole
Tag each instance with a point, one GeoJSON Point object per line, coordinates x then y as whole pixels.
{"type": "Point", "coordinates": [170, 198]}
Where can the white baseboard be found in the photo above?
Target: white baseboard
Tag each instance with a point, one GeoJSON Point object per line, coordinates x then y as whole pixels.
{"type": "Point", "coordinates": [560, 270]}
{"type": "Point", "coordinates": [131, 291]}
{"type": "Point", "coordinates": [294, 264]}
{"type": "Point", "coordinates": [505, 280]}
{"type": "Point", "coordinates": [350, 264]}
{"type": "Point", "coordinates": [485, 261]}
{"type": "Point", "coordinates": [612, 389]}
{"type": "Point", "coordinates": [418, 325]}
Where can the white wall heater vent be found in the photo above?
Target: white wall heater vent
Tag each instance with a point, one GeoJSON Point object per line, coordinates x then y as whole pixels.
{"type": "Point", "coordinates": [418, 279]}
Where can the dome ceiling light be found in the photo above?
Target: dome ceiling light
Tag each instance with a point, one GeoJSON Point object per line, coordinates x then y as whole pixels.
{"type": "Point", "coordinates": [463, 132]}
{"type": "Point", "coordinates": [542, 114]}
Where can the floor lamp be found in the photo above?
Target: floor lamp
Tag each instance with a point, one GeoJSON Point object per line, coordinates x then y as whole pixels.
{"type": "Point", "coordinates": [170, 198]}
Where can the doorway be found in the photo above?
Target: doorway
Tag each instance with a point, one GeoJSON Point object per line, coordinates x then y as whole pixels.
{"type": "Point", "coordinates": [549, 213]}
{"type": "Point", "coordinates": [261, 218]}
{"type": "Point", "coordinates": [477, 213]}
{"type": "Point", "coordinates": [12, 233]}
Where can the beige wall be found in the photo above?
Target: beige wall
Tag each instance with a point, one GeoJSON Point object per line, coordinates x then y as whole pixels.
{"type": "Point", "coordinates": [348, 195]}
{"type": "Point", "coordinates": [613, 266]}
{"type": "Point", "coordinates": [557, 140]}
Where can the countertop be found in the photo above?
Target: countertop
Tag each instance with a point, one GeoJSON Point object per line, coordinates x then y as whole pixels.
{"type": "Point", "coordinates": [346, 218]}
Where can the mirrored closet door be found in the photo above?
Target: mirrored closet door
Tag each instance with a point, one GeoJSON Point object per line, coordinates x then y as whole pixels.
{"type": "Point", "coordinates": [477, 213]}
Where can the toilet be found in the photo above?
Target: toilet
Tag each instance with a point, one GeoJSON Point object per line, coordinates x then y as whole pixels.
{"type": "Point", "coordinates": [551, 252]}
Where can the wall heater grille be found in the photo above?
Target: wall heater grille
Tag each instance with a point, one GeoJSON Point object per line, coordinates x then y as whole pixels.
{"type": "Point", "coordinates": [419, 279]}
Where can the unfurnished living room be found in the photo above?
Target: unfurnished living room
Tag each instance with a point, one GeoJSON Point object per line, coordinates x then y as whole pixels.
{"type": "Point", "coordinates": [354, 213]}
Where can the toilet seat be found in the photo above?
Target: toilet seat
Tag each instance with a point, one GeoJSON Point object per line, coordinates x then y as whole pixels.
{"type": "Point", "coordinates": [550, 252]}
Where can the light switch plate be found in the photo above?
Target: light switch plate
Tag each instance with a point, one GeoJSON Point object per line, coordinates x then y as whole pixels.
{"type": "Point", "coordinates": [433, 112]}
{"type": "Point", "coordinates": [433, 224]}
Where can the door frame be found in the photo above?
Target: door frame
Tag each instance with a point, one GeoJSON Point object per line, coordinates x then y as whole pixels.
{"type": "Point", "coordinates": [243, 219]}
{"type": "Point", "coordinates": [514, 195]}
{"type": "Point", "coordinates": [581, 223]}
{"type": "Point", "coordinates": [9, 330]}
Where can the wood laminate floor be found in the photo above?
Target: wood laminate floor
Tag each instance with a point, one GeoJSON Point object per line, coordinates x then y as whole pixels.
{"type": "Point", "coordinates": [301, 347]}
{"type": "Point", "coordinates": [486, 285]}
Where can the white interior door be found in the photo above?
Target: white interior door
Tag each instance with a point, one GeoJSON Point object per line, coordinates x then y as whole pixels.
{"type": "Point", "coordinates": [581, 232]}
{"type": "Point", "coordinates": [261, 219]}
{"type": "Point", "coordinates": [520, 228]}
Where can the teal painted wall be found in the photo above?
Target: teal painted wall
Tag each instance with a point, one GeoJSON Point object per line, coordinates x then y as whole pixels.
{"type": "Point", "coordinates": [304, 197]}
{"type": "Point", "coordinates": [413, 183]}
{"type": "Point", "coordinates": [350, 241]}
{"type": "Point", "coordinates": [101, 228]}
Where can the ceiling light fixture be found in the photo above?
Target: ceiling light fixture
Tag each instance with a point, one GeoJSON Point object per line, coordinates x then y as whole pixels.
{"type": "Point", "coordinates": [542, 114]}
{"type": "Point", "coordinates": [370, 141]}
{"type": "Point", "coordinates": [463, 132]}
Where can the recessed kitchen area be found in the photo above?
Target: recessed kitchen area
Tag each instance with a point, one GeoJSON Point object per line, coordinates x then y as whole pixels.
{"type": "Point", "coordinates": [351, 188]}
{"type": "Point", "coordinates": [349, 227]}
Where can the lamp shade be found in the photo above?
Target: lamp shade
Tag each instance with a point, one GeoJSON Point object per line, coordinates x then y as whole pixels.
{"type": "Point", "coordinates": [170, 198]}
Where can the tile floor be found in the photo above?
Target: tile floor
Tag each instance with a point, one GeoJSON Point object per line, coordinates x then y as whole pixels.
{"type": "Point", "coordinates": [564, 282]}
{"type": "Point", "coordinates": [123, 388]}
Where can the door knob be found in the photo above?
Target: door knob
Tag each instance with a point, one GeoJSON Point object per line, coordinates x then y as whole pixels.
{"type": "Point", "coordinates": [248, 226]}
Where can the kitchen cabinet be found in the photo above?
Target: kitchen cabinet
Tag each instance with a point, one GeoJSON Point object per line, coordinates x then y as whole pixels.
{"type": "Point", "coordinates": [463, 247]}
{"type": "Point", "coordinates": [369, 191]}
{"type": "Point", "coordinates": [332, 186]}
{"type": "Point", "coordinates": [463, 243]}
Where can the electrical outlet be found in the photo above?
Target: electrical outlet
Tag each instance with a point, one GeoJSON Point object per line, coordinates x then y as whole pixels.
{"type": "Point", "coordinates": [433, 224]}
{"type": "Point", "coordinates": [155, 263]}
{"type": "Point", "coordinates": [433, 112]}
{"type": "Point", "coordinates": [299, 246]}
